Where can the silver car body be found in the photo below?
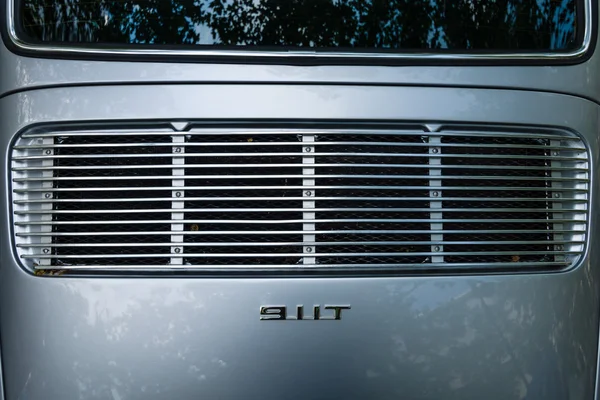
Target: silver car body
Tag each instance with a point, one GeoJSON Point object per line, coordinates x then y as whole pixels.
{"type": "Point", "coordinates": [441, 336]}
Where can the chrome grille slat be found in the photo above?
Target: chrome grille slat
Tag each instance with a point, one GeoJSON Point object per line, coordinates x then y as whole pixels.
{"type": "Point", "coordinates": [292, 244]}
{"type": "Point", "coordinates": [347, 187]}
{"type": "Point", "coordinates": [278, 165]}
{"type": "Point", "coordinates": [270, 144]}
{"type": "Point", "coordinates": [280, 199]}
{"type": "Point", "coordinates": [299, 253]}
{"type": "Point", "coordinates": [228, 210]}
{"type": "Point", "coordinates": [274, 232]}
{"type": "Point", "coordinates": [242, 199]}
{"type": "Point", "coordinates": [283, 154]}
{"type": "Point", "coordinates": [289, 221]}
{"type": "Point", "coordinates": [258, 176]}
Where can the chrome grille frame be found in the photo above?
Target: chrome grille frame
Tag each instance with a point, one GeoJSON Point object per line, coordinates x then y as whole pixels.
{"type": "Point", "coordinates": [34, 198]}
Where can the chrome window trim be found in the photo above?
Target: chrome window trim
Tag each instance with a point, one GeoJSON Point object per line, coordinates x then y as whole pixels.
{"type": "Point", "coordinates": [282, 55]}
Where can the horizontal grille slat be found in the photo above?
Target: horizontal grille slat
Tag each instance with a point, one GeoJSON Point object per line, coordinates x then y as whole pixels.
{"type": "Point", "coordinates": [277, 232]}
{"type": "Point", "coordinates": [208, 199]}
{"type": "Point", "coordinates": [280, 144]}
{"type": "Point", "coordinates": [296, 187]}
{"type": "Point", "coordinates": [275, 165]}
{"type": "Point", "coordinates": [294, 244]}
{"type": "Point", "coordinates": [247, 199]}
{"type": "Point", "coordinates": [299, 252]}
{"type": "Point", "coordinates": [228, 210]}
{"type": "Point", "coordinates": [258, 176]}
{"type": "Point", "coordinates": [290, 221]}
{"type": "Point", "coordinates": [297, 155]}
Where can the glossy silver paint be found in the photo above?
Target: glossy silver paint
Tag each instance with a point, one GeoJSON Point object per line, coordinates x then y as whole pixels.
{"type": "Point", "coordinates": [406, 337]}
{"type": "Point", "coordinates": [416, 337]}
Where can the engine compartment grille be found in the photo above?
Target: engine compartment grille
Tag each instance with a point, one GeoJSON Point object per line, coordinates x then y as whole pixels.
{"type": "Point", "coordinates": [205, 199]}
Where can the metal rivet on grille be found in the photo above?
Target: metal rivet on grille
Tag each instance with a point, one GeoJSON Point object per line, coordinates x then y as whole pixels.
{"type": "Point", "coordinates": [46, 251]}
{"type": "Point", "coordinates": [177, 250]}
{"type": "Point", "coordinates": [555, 153]}
{"type": "Point", "coordinates": [177, 149]}
{"type": "Point", "coordinates": [308, 249]}
{"type": "Point", "coordinates": [560, 247]}
{"type": "Point", "coordinates": [435, 194]}
{"type": "Point", "coordinates": [178, 194]}
{"type": "Point", "coordinates": [48, 152]}
{"type": "Point", "coordinates": [308, 193]}
{"type": "Point", "coordinates": [557, 195]}
{"type": "Point", "coordinates": [435, 151]}
{"type": "Point", "coordinates": [308, 149]}
{"type": "Point", "coordinates": [437, 248]}
{"type": "Point", "coordinates": [47, 195]}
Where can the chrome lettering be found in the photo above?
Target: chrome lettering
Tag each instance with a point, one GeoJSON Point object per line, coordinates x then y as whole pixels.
{"type": "Point", "coordinates": [279, 313]}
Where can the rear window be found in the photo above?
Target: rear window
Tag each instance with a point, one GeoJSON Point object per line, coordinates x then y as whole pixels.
{"type": "Point", "coordinates": [329, 25]}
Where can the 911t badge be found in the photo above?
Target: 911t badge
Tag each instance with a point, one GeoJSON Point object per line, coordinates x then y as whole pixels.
{"type": "Point", "coordinates": [280, 313]}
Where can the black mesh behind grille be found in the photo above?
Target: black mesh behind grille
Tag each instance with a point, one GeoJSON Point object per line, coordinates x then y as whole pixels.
{"type": "Point", "coordinates": [96, 151]}
{"type": "Point", "coordinates": [536, 168]}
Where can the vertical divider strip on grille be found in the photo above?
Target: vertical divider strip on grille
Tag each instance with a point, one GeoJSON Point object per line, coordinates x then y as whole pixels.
{"type": "Point", "coordinates": [435, 182]}
{"type": "Point", "coordinates": [178, 203]}
{"type": "Point", "coordinates": [47, 173]}
{"type": "Point", "coordinates": [308, 206]}
{"type": "Point", "coordinates": [557, 195]}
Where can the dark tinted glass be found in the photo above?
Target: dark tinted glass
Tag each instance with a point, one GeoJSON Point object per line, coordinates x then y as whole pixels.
{"type": "Point", "coordinates": [358, 25]}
